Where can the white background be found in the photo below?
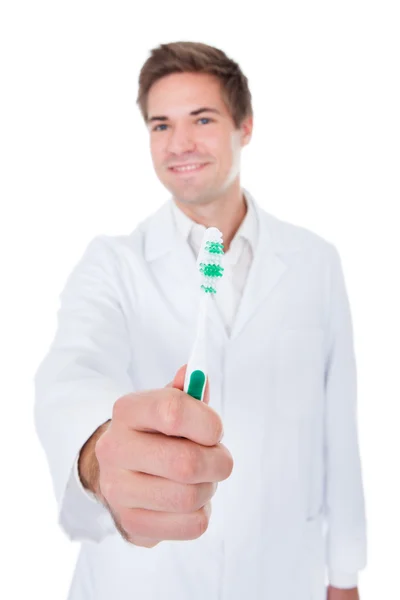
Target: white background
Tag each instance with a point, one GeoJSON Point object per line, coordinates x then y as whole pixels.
{"type": "Point", "coordinates": [75, 163]}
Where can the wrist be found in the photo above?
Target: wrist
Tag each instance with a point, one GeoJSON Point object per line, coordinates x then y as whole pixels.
{"type": "Point", "coordinates": [88, 466]}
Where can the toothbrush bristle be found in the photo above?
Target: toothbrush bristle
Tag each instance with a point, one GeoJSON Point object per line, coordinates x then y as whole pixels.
{"type": "Point", "coordinates": [214, 247]}
{"type": "Point", "coordinates": [210, 260]}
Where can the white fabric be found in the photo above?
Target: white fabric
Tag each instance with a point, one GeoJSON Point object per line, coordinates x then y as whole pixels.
{"type": "Point", "coordinates": [283, 379]}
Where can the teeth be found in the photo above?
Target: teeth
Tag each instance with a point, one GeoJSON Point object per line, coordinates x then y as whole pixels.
{"type": "Point", "coordinates": [187, 168]}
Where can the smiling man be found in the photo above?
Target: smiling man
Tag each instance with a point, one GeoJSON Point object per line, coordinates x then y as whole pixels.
{"type": "Point", "coordinates": [196, 152]}
{"type": "Point", "coordinates": [136, 462]}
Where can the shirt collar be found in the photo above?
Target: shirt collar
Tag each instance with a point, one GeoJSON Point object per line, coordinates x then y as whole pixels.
{"type": "Point", "coordinates": [193, 232]}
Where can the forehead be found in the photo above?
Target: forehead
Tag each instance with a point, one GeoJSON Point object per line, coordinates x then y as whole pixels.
{"type": "Point", "coordinates": [179, 93]}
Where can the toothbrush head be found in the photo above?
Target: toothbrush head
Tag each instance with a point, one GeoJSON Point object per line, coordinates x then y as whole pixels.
{"type": "Point", "coordinates": [210, 259]}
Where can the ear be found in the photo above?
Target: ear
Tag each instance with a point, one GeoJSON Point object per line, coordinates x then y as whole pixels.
{"type": "Point", "coordinates": [246, 131]}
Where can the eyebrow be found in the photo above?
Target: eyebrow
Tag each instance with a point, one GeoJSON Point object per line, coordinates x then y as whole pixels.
{"type": "Point", "coordinates": [193, 113]}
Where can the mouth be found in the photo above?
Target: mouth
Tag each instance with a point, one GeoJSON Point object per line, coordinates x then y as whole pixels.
{"type": "Point", "coordinates": [187, 170]}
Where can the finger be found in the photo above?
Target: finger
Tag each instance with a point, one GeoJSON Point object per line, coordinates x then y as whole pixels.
{"type": "Point", "coordinates": [177, 459]}
{"type": "Point", "coordinates": [169, 411]}
{"type": "Point", "coordinates": [179, 379]}
{"type": "Point", "coordinates": [143, 542]}
{"type": "Point", "coordinates": [135, 539]}
{"type": "Point", "coordinates": [164, 525]}
{"type": "Point", "coordinates": [140, 490]}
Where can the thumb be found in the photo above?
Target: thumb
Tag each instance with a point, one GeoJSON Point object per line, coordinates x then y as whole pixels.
{"type": "Point", "coordinates": [179, 381]}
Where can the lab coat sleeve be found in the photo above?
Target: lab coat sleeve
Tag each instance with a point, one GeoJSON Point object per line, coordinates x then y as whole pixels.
{"type": "Point", "coordinates": [77, 383]}
{"type": "Point", "coordinates": [344, 496]}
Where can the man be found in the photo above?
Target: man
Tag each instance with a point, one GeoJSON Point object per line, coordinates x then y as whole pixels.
{"type": "Point", "coordinates": [136, 463]}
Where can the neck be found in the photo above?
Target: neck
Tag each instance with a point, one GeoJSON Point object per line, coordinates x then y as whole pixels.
{"type": "Point", "coordinates": [226, 212]}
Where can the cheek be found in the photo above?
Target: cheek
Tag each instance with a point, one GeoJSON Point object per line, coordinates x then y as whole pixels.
{"type": "Point", "coordinates": [218, 147]}
{"type": "Point", "coordinates": [157, 153]}
{"type": "Point", "coordinates": [225, 155]}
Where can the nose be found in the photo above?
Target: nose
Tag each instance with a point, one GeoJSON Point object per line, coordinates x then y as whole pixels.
{"type": "Point", "coordinates": [180, 140]}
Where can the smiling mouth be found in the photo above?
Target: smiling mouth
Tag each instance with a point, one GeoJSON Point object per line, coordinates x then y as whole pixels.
{"type": "Point", "coordinates": [188, 169]}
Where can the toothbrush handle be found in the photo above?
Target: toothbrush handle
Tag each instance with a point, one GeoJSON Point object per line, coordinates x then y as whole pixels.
{"type": "Point", "coordinates": [196, 371]}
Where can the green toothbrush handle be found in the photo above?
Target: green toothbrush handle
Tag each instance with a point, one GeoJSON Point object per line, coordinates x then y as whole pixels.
{"type": "Point", "coordinates": [197, 384]}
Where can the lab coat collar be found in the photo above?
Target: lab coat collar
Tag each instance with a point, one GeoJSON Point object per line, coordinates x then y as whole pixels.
{"type": "Point", "coordinates": [267, 268]}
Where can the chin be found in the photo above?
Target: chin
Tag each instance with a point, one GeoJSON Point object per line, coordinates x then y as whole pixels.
{"type": "Point", "coordinates": [193, 196]}
{"type": "Point", "coordinates": [186, 195]}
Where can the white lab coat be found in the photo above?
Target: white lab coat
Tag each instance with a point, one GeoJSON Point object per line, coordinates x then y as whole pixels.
{"type": "Point", "coordinates": [284, 384]}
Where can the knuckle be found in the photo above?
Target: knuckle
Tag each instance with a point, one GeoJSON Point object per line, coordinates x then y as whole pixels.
{"type": "Point", "coordinates": [187, 465]}
{"type": "Point", "coordinates": [101, 450]}
{"type": "Point", "coordinates": [171, 411]}
{"type": "Point", "coordinates": [105, 447]}
{"type": "Point", "coordinates": [119, 408]}
{"type": "Point", "coordinates": [227, 463]}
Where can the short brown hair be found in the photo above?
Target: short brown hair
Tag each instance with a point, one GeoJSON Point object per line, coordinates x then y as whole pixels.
{"type": "Point", "coordinates": [195, 57]}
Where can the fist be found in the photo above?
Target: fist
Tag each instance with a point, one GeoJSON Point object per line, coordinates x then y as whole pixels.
{"type": "Point", "coordinates": [160, 461]}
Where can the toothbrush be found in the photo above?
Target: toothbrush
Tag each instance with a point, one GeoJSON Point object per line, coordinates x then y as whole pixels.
{"type": "Point", "coordinates": [209, 264]}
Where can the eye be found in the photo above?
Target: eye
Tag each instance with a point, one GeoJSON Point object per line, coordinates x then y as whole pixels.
{"type": "Point", "coordinates": [157, 126]}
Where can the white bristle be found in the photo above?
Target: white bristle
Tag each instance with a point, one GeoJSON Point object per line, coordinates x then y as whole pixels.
{"type": "Point", "coordinates": [212, 234]}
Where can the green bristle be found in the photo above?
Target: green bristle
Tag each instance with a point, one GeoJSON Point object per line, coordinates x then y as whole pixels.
{"type": "Point", "coordinates": [208, 289]}
{"type": "Point", "coordinates": [214, 248]}
{"type": "Point", "coordinates": [211, 270]}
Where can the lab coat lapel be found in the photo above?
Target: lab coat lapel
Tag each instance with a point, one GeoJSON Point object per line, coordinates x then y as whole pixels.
{"type": "Point", "coordinates": [174, 267]}
{"type": "Point", "coordinates": [265, 272]}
